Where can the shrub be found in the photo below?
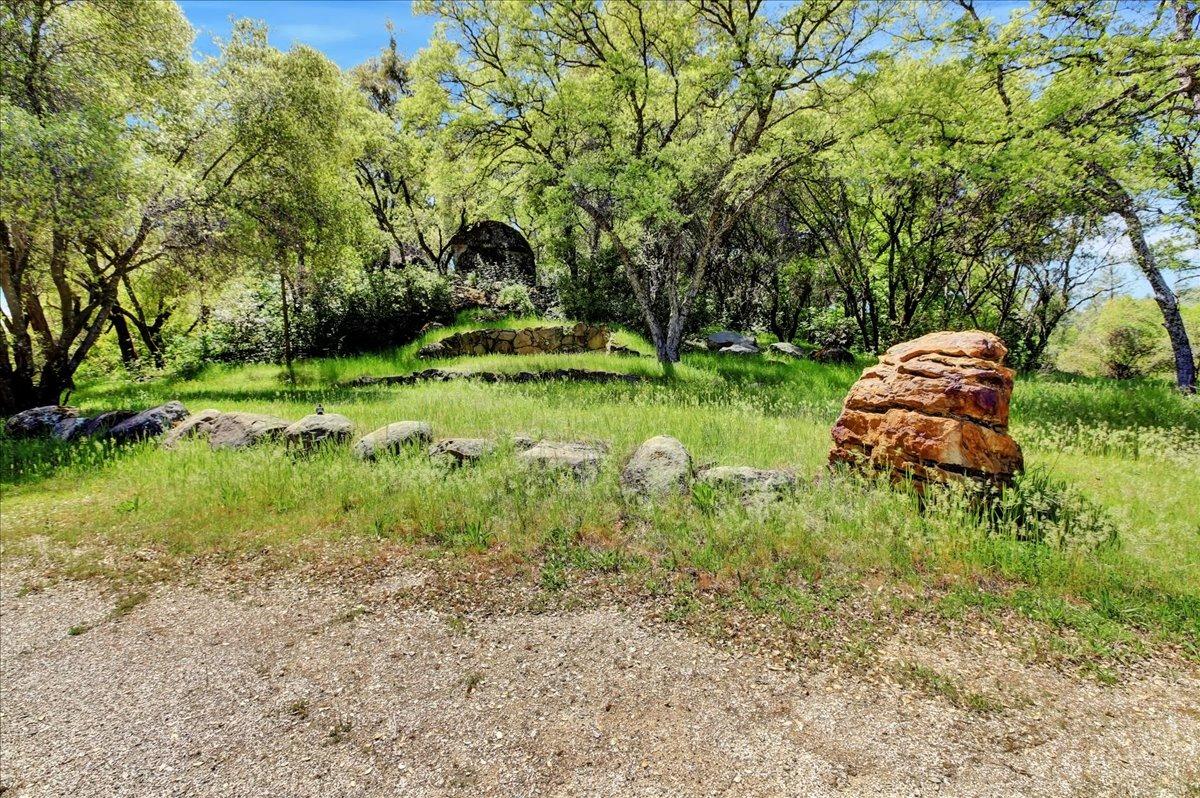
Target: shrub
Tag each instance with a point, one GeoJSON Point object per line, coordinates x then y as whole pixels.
{"type": "Point", "coordinates": [515, 299]}
{"type": "Point", "coordinates": [346, 312]}
{"type": "Point", "coordinates": [829, 328]}
{"type": "Point", "coordinates": [1122, 338]}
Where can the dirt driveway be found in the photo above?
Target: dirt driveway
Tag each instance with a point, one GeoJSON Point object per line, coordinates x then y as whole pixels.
{"type": "Point", "coordinates": [300, 688]}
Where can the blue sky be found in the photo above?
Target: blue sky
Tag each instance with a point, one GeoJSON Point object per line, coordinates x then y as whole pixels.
{"type": "Point", "coordinates": [351, 31]}
{"type": "Point", "coordinates": [348, 31]}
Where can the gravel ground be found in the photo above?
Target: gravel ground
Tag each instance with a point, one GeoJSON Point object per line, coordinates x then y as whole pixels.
{"type": "Point", "coordinates": [306, 688]}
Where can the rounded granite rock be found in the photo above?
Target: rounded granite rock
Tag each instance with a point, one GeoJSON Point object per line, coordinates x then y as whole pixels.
{"type": "Point", "coordinates": [393, 439]}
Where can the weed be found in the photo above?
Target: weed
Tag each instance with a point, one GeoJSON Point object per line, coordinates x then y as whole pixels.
{"type": "Point", "coordinates": [931, 682]}
{"type": "Point", "coordinates": [472, 680]}
{"type": "Point", "coordinates": [130, 505]}
{"type": "Point", "coordinates": [339, 732]}
{"type": "Point", "coordinates": [127, 604]}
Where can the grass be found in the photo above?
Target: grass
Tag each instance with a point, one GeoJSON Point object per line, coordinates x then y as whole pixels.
{"type": "Point", "coordinates": [1132, 447]}
{"type": "Point", "coordinates": [937, 684]}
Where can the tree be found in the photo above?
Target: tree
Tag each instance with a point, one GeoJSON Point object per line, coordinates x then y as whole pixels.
{"type": "Point", "coordinates": [293, 124]}
{"type": "Point", "coordinates": [97, 158]}
{"type": "Point", "coordinates": [1117, 95]}
{"type": "Point", "coordinates": [663, 122]}
{"type": "Point", "coordinates": [420, 186]}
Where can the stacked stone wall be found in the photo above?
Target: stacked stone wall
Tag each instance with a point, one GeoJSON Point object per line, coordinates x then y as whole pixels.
{"type": "Point", "coordinates": [528, 341]}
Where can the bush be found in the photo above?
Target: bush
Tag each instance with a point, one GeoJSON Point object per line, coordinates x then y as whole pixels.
{"type": "Point", "coordinates": [347, 312]}
{"type": "Point", "coordinates": [1130, 352]}
{"type": "Point", "coordinates": [382, 309]}
{"type": "Point", "coordinates": [829, 328]}
{"type": "Point", "coordinates": [1121, 338]}
{"type": "Point", "coordinates": [599, 292]}
{"type": "Point", "coordinates": [514, 298]}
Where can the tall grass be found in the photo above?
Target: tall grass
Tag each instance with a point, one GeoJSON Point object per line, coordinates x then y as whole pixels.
{"type": "Point", "coordinates": [1131, 447]}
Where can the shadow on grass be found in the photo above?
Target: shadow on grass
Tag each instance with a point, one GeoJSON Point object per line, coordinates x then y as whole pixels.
{"type": "Point", "coordinates": [27, 461]}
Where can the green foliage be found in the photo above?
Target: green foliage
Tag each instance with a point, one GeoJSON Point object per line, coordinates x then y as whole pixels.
{"type": "Point", "coordinates": [1042, 509]}
{"type": "Point", "coordinates": [515, 299]}
{"type": "Point", "coordinates": [1038, 555]}
{"type": "Point", "coordinates": [1121, 338]}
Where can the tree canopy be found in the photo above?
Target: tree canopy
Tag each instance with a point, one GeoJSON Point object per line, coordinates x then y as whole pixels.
{"type": "Point", "coordinates": [840, 172]}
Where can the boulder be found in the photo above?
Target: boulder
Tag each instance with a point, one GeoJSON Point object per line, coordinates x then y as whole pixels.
{"type": "Point", "coordinates": [38, 421]}
{"type": "Point", "coordinates": [195, 425]}
{"type": "Point", "coordinates": [751, 483]}
{"type": "Point", "coordinates": [69, 429]}
{"type": "Point", "coordinates": [719, 340]}
{"type": "Point", "coordinates": [658, 467]}
{"type": "Point", "coordinates": [739, 349]}
{"type": "Point", "coordinates": [393, 439]}
{"type": "Point", "coordinates": [148, 423]}
{"type": "Point", "coordinates": [581, 459]}
{"type": "Point", "coordinates": [239, 430]}
{"type": "Point", "coordinates": [99, 426]}
{"type": "Point", "coordinates": [316, 429]}
{"type": "Point", "coordinates": [461, 451]}
{"type": "Point", "coordinates": [833, 355]}
{"type": "Point", "coordinates": [934, 409]}
{"type": "Point", "coordinates": [788, 350]}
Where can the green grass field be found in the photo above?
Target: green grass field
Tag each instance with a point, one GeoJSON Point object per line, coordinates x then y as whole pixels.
{"type": "Point", "coordinates": [142, 512]}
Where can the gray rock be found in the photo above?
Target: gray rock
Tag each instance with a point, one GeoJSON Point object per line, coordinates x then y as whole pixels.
{"type": "Point", "coordinates": [69, 429]}
{"type": "Point", "coordinates": [460, 451]}
{"type": "Point", "coordinates": [523, 443]}
{"type": "Point", "coordinates": [197, 425]}
{"type": "Point", "coordinates": [658, 467]}
{"type": "Point", "coordinates": [99, 426]}
{"type": "Point", "coordinates": [692, 345]}
{"type": "Point", "coordinates": [834, 354]}
{"type": "Point", "coordinates": [575, 457]}
{"type": "Point", "coordinates": [719, 340]}
{"type": "Point", "coordinates": [319, 428]}
{"type": "Point", "coordinates": [148, 423]}
{"type": "Point", "coordinates": [38, 421]}
{"type": "Point", "coordinates": [739, 349]}
{"type": "Point", "coordinates": [239, 430]}
{"type": "Point", "coordinates": [790, 350]}
{"type": "Point", "coordinates": [434, 350]}
{"type": "Point", "coordinates": [392, 439]}
{"type": "Point", "coordinates": [754, 483]}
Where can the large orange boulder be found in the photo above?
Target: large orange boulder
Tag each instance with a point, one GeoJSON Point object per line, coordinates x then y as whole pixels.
{"type": "Point", "coordinates": [934, 409]}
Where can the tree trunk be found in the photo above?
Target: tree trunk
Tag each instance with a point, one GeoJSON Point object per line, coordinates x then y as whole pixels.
{"type": "Point", "coordinates": [287, 326]}
{"type": "Point", "coordinates": [120, 326]}
{"type": "Point", "coordinates": [1185, 364]}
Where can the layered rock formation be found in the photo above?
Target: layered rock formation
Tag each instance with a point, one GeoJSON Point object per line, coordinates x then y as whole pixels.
{"type": "Point", "coordinates": [932, 409]}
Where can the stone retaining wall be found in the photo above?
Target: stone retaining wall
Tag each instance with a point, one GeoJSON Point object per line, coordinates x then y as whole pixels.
{"type": "Point", "coordinates": [528, 341]}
